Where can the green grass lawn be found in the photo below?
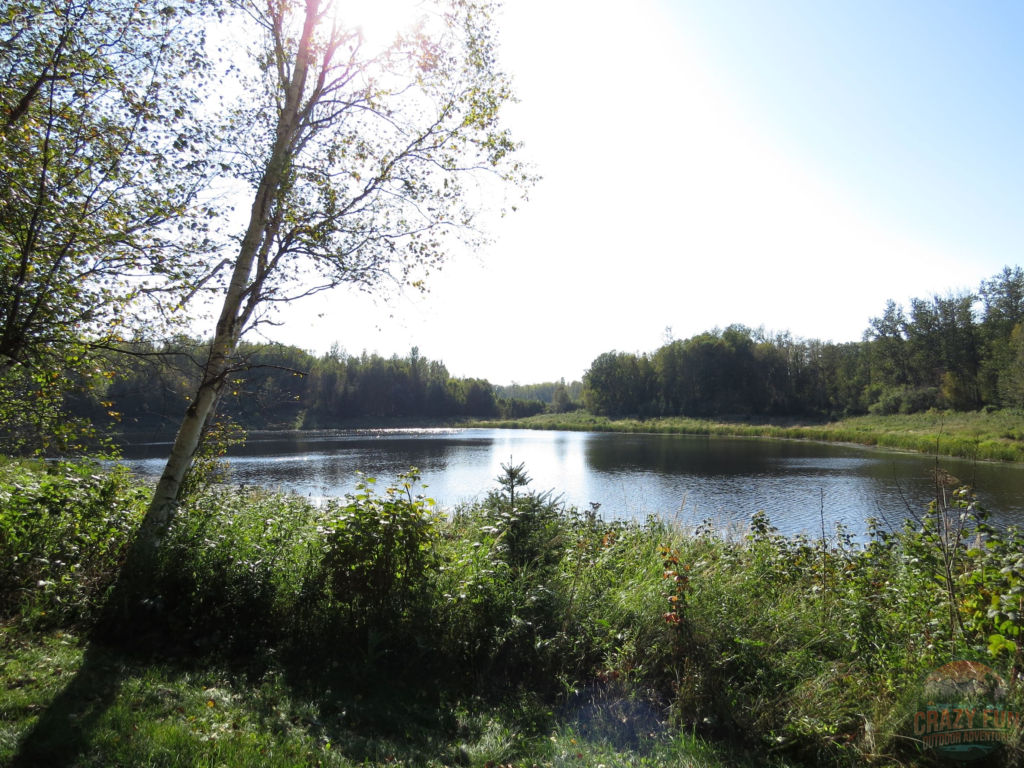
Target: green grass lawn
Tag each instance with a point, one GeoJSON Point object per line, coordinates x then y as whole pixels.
{"type": "Point", "coordinates": [997, 436]}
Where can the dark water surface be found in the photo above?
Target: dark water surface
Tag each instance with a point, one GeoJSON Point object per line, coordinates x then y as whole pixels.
{"type": "Point", "coordinates": [726, 479]}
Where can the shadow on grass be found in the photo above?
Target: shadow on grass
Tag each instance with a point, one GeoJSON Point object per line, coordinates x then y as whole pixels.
{"type": "Point", "coordinates": [310, 711]}
{"type": "Point", "coordinates": [368, 710]}
{"type": "Point", "coordinates": [359, 704]}
{"type": "Point", "coordinates": [376, 705]}
{"type": "Point", "coordinates": [62, 733]}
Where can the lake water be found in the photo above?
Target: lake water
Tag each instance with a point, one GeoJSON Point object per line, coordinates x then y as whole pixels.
{"type": "Point", "coordinates": [689, 477]}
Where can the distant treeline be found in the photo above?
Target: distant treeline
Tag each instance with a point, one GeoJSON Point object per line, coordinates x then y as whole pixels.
{"type": "Point", "coordinates": [553, 392]}
{"type": "Point", "coordinates": [283, 386]}
{"type": "Point", "coordinates": [961, 351]}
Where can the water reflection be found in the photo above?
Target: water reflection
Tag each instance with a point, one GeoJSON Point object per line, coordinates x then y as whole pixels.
{"type": "Point", "coordinates": [690, 477]}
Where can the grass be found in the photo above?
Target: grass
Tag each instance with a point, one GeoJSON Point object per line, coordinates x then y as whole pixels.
{"type": "Point", "coordinates": [61, 704]}
{"type": "Point", "coordinates": [996, 436]}
{"type": "Point", "coordinates": [373, 631]}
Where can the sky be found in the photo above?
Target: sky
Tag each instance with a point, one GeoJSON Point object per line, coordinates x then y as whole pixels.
{"type": "Point", "coordinates": [791, 164]}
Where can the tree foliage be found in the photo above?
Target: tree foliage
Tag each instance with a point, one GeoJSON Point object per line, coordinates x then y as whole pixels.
{"type": "Point", "coordinates": [100, 174]}
{"type": "Point", "coordinates": [286, 387]}
{"type": "Point", "coordinates": [945, 352]}
{"type": "Point", "coordinates": [544, 391]}
{"type": "Point", "coordinates": [97, 179]}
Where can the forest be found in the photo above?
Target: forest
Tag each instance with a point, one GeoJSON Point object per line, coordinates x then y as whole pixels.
{"type": "Point", "coordinates": [963, 352]}
{"type": "Point", "coordinates": [283, 387]}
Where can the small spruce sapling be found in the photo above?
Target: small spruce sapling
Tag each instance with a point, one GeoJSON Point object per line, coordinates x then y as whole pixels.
{"type": "Point", "coordinates": [513, 477]}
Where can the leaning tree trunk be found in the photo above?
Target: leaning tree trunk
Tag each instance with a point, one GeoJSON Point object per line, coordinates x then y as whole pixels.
{"type": "Point", "coordinates": [136, 576]}
{"type": "Point", "coordinates": [242, 295]}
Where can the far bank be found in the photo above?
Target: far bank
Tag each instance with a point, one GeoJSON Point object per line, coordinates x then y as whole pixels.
{"type": "Point", "coordinates": [985, 436]}
{"type": "Point", "coordinates": [995, 436]}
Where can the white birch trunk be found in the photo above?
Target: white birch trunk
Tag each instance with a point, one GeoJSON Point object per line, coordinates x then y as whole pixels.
{"type": "Point", "coordinates": [239, 300]}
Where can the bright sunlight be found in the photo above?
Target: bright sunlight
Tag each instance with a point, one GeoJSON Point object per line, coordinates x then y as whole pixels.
{"type": "Point", "coordinates": [380, 20]}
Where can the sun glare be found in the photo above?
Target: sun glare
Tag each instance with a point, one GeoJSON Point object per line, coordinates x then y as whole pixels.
{"type": "Point", "coordinates": [380, 20]}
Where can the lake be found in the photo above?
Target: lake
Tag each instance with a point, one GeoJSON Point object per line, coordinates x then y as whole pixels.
{"type": "Point", "coordinates": [630, 475]}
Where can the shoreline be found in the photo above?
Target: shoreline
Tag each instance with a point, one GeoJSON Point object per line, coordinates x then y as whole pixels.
{"type": "Point", "coordinates": [995, 437]}
{"type": "Point", "coordinates": [957, 443]}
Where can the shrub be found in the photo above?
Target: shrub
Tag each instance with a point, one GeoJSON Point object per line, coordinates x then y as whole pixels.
{"type": "Point", "coordinates": [919, 400]}
{"type": "Point", "coordinates": [64, 530]}
{"type": "Point", "coordinates": [905, 400]}
{"type": "Point", "coordinates": [377, 552]}
{"type": "Point", "coordinates": [888, 403]}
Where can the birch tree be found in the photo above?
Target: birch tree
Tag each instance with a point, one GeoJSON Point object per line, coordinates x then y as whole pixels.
{"type": "Point", "coordinates": [360, 166]}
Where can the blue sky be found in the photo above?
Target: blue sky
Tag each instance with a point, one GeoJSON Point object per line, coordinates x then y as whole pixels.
{"type": "Point", "coordinates": [792, 164]}
{"type": "Point", "coordinates": [914, 108]}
